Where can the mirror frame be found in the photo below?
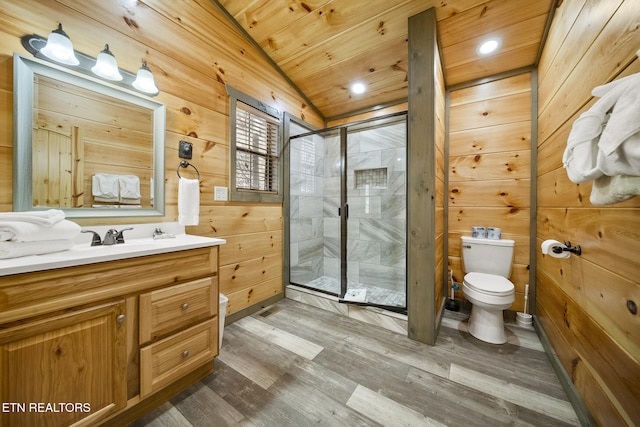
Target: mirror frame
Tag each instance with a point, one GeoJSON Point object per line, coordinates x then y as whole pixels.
{"type": "Point", "coordinates": [24, 69]}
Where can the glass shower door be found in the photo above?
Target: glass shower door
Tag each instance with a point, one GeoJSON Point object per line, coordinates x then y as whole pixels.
{"type": "Point", "coordinates": [347, 212]}
{"type": "Point", "coordinates": [314, 194]}
{"type": "Point", "coordinates": [376, 226]}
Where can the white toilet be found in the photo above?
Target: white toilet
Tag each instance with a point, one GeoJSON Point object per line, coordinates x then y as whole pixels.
{"type": "Point", "coordinates": [487, 264]}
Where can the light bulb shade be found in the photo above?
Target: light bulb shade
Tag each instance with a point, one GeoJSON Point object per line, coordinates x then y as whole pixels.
{"type": "Point", "coordinates": [106, 65]}
{"type": "Point", "coordinates": [144, 80]}
{"type": "Point", "coordinates": [59, 48]}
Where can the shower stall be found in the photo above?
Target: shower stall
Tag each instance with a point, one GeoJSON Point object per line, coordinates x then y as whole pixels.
{"type": "Point", "coordinates": [347, 211]}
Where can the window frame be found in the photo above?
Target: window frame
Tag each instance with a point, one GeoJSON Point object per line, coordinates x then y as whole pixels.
{"type": "Point", "coordinates": [246, 195]}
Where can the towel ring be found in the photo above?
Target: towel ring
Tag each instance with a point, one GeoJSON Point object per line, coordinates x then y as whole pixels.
{"type": "Point", "coordinates": [185, 164]}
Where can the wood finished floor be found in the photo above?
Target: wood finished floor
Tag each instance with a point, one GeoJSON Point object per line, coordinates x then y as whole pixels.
{"type": "Point", "coordinates": [296, 365]}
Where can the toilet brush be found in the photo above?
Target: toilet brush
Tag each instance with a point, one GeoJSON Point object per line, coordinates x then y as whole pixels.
{"type": "Point", "coordinates": [451, 303]}
{"type": "Point", "coordinates": [524, 319]}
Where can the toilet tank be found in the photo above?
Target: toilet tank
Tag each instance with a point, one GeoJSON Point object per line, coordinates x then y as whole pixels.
{"type": "Point", "coordinates": [487, 256]}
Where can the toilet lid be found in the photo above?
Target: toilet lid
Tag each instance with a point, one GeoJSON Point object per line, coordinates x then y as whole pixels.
{"type": "Point", "coordinates": [489, 283]}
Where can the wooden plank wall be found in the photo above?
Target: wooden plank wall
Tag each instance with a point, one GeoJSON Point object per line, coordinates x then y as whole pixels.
{"type": "Point", "coordinates": [586, 303]}
{"type": "Point", "coordinates": [193, 52]}
{"type": "Point", "coordinates": [489, 169]}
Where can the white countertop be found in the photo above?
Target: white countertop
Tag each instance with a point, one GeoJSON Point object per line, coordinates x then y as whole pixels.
{"type": "Point", "coordinates": [83, 253]}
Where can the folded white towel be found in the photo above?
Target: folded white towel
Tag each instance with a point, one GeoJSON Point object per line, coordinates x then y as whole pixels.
{"type": "Point", "coordinates": [608, 190]}
{"type": "Point", "coordinates": [18, 249]}
{"type": "Point", "coordinates": [129, 187]}
{"type": "Point", "coordinates": [188, 201]}
{"type": "Point", "coordinates": [46, 218]}
{"type": "Point", "coordinates": [18, 231]}
{"type": "Point", "coordinates": [105, 187]}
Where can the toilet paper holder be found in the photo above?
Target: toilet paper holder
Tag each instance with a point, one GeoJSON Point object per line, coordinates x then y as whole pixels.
{"type": "Point", "coordinates": [573, 249]}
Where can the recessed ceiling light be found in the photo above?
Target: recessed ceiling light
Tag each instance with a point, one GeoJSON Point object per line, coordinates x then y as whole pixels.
{"type": "Point", "coordinates": [358, 88]}
{"type": "Point", "coordinates": [489, 46]}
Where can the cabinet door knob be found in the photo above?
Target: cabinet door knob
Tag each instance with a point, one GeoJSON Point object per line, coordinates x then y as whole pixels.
{"type": "Point", "coordinates": [121, 318]}
{"type": "Point", "coordinates": [185, 354]}
{"type": "Point", "coordinates": [185, 306]}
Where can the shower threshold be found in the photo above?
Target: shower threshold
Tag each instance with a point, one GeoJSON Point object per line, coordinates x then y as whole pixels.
{"type": "Point", "coordinates": [375, 295]}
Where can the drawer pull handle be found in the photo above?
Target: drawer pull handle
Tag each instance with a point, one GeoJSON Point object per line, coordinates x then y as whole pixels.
{"type": "Point", "coordinates": [185, 306]}
{"type": "Point", "coordinates": [121, 318]}
{"type": "Point", "coordinates": [185, 354]}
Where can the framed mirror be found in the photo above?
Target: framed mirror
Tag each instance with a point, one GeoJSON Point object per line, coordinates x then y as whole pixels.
{"type": "Point", "coordinates": [83, 145]}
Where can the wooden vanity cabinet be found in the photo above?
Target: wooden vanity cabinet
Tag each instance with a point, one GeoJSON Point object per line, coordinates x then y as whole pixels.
{"type": "Point", "coordinates": [164, 313]}
{"type": "Point", "coordinates": [105, 343]}
{"type": "Point", "coordinates": [50, 367]}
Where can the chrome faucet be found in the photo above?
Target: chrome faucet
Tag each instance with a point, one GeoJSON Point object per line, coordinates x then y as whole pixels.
{"type": "Point", "coordinates": [112, 237]}
{"type": "Point", "coordinates": [95, 239]}
{"type": "Point", "coordinates": [120, 235]}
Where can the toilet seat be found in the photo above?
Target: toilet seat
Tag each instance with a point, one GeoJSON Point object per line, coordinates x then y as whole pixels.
{"type": "Point", "coordinates": [489, 284]}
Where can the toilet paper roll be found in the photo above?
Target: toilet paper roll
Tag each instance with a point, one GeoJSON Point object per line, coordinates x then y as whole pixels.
{"type": "Point", "coordinates": [548, 245]}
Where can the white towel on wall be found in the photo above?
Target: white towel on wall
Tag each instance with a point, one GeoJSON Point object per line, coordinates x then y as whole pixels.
{"type": "Point", "coordinates": [46, 218]}
{"type": "Point", "coordinates": [608, 190]}
{"type": "Point", "coordinates": [105, 187]}
{"type": "Point", "coordinates": [30, 232]}
{"type": "Point", "coordinates": [188, 201]}
{"type": "Point", "coordinates": [605, 139]}
{"type": "Point", "coordinates": [18, 249]}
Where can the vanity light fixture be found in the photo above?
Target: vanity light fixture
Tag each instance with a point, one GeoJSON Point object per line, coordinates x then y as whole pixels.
{"type": "Point", "coordinates": [144, 80]}
{"type": "Point", "coordinates": [59, 47]}
{"type": "Point", "coordinates": [106, 65]}
{"type": "Point", "coordinates": [358, 88]}
{"type": "Point", "coordinates": [489, 46]}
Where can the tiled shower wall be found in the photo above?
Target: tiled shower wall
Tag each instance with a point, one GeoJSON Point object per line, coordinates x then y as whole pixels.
{"type": "Point", "coordinates": [377, 208]}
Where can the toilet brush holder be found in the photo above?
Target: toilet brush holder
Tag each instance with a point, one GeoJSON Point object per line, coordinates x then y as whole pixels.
{"type": "Point", "coordinates": [524, 319]}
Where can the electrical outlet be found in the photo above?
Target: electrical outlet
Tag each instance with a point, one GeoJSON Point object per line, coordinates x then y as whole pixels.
{"type": "Point", "coordinates": [220, 194]}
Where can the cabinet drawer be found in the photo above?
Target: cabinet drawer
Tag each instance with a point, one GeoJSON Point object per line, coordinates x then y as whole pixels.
{"type": "Point", "coordinates": [169, 359]}
{"type": "Point", "coordinates": [164, 311]}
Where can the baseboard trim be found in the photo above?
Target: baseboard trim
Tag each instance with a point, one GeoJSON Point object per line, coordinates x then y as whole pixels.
{"type": "Point", "coordinates": [572, 393]}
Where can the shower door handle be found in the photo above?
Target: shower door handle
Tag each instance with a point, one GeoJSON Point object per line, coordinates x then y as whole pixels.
{"type": "Point", "coordinates": [346, 211]}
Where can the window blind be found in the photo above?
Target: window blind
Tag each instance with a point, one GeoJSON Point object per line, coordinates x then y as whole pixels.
{"type": "Point", "coordinates": [256, 150]}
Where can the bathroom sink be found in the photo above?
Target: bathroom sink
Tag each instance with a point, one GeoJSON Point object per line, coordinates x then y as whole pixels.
{"type": "Point", "coordinates": [138, 242]}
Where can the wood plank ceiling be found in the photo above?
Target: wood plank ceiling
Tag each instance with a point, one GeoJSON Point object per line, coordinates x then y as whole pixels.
{"type": "Point", "coordinates": [324, 46]}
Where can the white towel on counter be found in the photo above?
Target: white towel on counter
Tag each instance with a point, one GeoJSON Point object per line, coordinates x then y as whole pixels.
{"type": "Point", "coordinates": [608, 190]}
{"type": "Point", "coordinates": [105, 187]}
{"type": "Point", "coordinates": [46, 218]}
{"type": "Point", "coordinates": [188, 201]}
{"type": "Point", "coordinates": [129, 189]}
{"type": "Point", "coordinates": [19, 249]}
{"type": "Point", "coordinates": [29, 232]}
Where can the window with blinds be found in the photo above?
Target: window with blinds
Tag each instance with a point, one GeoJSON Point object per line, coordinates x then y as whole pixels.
{"type": "Point", "coordinates": [255, 161]}
{"type": "Point", "coordinates": [256, 145]}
